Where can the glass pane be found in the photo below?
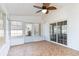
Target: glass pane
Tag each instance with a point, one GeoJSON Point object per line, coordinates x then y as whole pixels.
{"type": "Point", "coordinates": [16, 28]}
{"type": "Point", "coordinates": [16, 33]}
{"type": "Point", "coordinates": [37, 29]}
{"type": "Point", "coordinates": [2, 39]}
{"type": "Point", "coordinates": [53, 32]}
{"type": "Point", "coordinates": [15, 25]}
{"type": "Point", "coordinates": [60, 38]}
{"type": "Point", "coordinates": [28, 29]}
{"type": "Point", "coordinates": [62, 32]}
{"type": "Point", "coordinates": [64, 29]}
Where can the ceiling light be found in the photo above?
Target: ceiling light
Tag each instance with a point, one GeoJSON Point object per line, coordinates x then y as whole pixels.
{"type": "Point", "coordinates": [44, 11]}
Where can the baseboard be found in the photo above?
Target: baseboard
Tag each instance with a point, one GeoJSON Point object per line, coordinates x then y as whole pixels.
{"type": "Point", "coordinates": [62, 45]}
{"type": "Point", "coordinates": [4, 50]}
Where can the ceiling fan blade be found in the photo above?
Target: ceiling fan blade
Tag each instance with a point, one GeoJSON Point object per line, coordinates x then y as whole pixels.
{"type": "Point", "coordinates": [47, 12]}
{"type": "Point", "coordinates": [46, 4]}
{"type": "Point", "coordinates": [37, 7]}
{"type": "Point", "coordinates": [38, 11]}
{"type": "Point", "coordinates": [51, 8]}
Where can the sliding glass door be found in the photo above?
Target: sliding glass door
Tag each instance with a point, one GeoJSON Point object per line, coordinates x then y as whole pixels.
{"type": "Point", "coordinates": [53, 31]}
{"type": "Point", "coordinates": [62, 32]}
{"type": "Point", "coordinates": [58, 32]}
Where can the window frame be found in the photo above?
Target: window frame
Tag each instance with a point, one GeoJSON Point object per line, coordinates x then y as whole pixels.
{"type": "Point", "coordinates": [23, 28]}
{"type": "Point", "coordinates": [17, 29]}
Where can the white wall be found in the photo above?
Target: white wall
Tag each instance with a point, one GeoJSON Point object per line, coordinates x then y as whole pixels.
{"type": "Point", "coordinates": [31, 19]}
{"type": "Point", "coordinates": [22, 40]}
{"type": "Point", "coordinates": [69, 12]}
{"type": "Point", "coordinates": [73, 28]}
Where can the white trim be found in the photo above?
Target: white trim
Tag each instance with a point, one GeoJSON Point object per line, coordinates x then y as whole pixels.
{"type": "Point", "coordinates": [25, 22]}
{"type": "Point", "coordinates": [62, 45]}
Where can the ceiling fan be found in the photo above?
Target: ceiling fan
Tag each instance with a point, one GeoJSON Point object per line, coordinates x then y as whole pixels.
{"type": "Point", "coordinates": [45, 8]}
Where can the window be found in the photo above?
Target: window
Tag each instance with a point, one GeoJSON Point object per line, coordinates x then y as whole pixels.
{"type": "Point", "coordinates": [28, 29]}
{"type": "Point", "coordinates": [32, 29]}
{"type": "Point", "coordinates": [2, 39]}
{"type": "Point", "coordinates": [1, 29]}
{"type": "Point", "coordinates": [37, 29]}
{"type": "Point", "coordinates": [25, 29]}
{"type": "Point", "coordinates": [16, 28]}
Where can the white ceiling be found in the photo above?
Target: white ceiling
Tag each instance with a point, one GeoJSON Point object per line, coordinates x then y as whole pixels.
{"type": "Point", "coordinates": [26, 9]}
{"type": "Point", "coordinates": [21, 9]}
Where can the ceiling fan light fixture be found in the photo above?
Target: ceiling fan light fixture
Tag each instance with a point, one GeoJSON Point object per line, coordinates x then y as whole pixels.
{"type": "Point", "coordinates": [45, 8]}
{"type": "Point", "coordinates": [44, 11]}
